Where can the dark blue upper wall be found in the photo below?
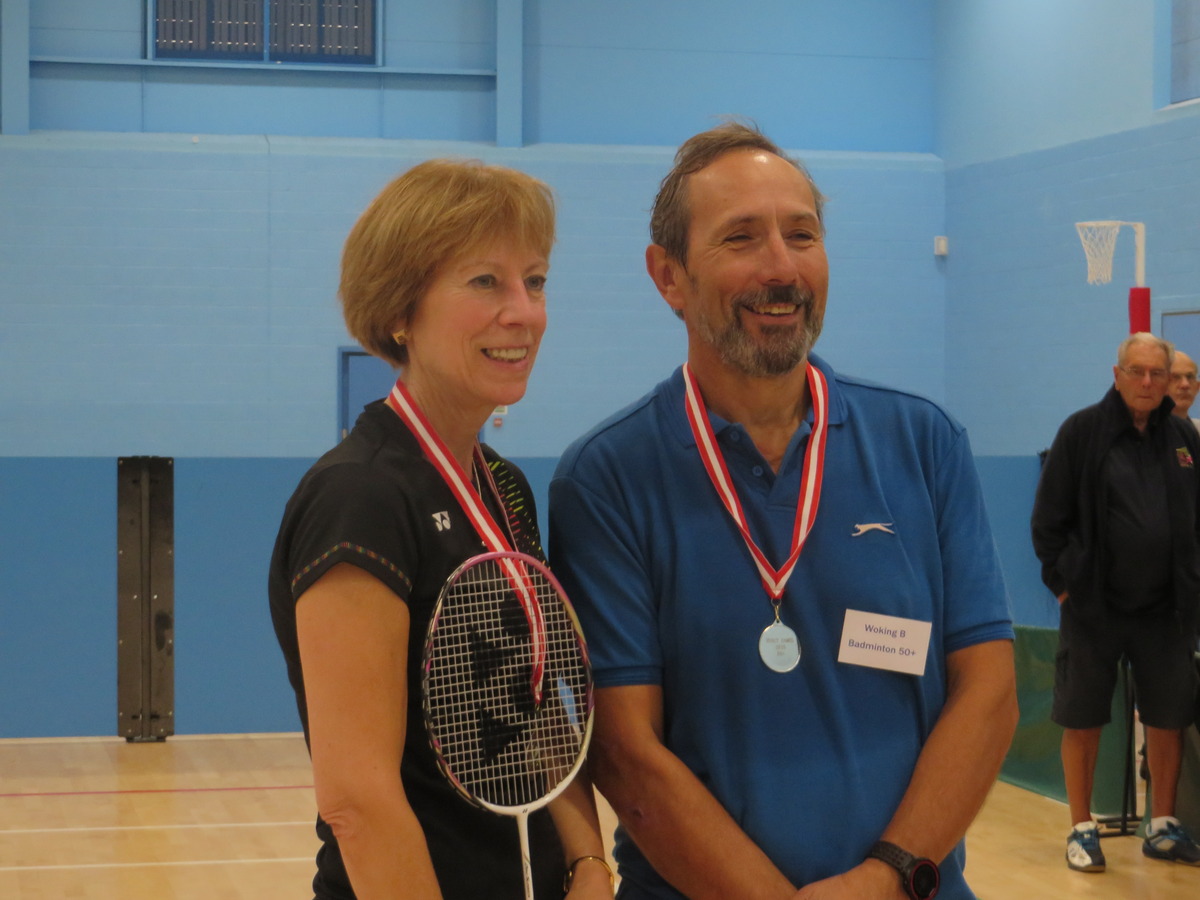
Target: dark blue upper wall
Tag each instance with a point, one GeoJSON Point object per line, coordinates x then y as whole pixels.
{"type": "Point", "coordinates": [58, 539]}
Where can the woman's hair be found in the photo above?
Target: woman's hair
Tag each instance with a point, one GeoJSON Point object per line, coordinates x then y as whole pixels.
{"type": "Point", "coordinates": [432, 214]}
{"type": "Point", "coordinates": [671, 215]}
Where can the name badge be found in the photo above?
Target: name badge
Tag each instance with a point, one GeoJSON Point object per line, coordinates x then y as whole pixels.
{"type": "Point", "coordinates": [884, 642]}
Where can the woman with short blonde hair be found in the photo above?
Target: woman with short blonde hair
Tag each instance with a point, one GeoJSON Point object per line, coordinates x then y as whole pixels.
{"type": "Point", "coordinates": [443, 276]}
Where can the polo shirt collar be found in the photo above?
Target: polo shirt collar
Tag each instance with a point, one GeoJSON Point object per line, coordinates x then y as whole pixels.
{"type": "Point", "coordinates": [676, 413]}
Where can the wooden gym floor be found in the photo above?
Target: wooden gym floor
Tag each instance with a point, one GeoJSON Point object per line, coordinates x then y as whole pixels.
{"type": "Point", "coordinates": [232, 817]}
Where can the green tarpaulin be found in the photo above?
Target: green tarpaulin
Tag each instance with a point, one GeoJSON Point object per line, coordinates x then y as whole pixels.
{"type": "Point", "coordinates": [1033, 761]}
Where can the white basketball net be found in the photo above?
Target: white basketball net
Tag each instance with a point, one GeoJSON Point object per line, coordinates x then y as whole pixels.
{"type": "Point", "coordinates": [1099, 240]}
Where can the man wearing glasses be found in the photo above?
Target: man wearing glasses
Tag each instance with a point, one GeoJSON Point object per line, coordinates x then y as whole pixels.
{"type": "Point", "coordinates": [1183, 386]}
{"type": "Point", "coordinates": [1115, 526]}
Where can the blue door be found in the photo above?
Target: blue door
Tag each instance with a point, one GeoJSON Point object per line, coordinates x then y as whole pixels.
{"type": "Point", "coordinates": [1183, 330]}
{"type": "Point", "coordinates": [362, 379]}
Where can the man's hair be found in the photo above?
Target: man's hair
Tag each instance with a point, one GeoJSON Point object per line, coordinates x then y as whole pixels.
{"type": "Point", "coordinates": [671, 214]}
{"type": "Point", "coordinates": [1145, 337]}
{"type": "Point", "coordinates": [434, 213]}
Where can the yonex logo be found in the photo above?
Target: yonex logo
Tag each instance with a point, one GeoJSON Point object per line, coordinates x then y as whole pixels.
{"type": "Point", "coordinates": [442, 521]}
{"type": "Point", "coordinates": [860, 530]}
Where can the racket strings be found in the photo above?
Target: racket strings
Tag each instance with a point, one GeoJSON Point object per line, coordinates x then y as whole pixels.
{"type": "Point", "coordinates": [491, 736]}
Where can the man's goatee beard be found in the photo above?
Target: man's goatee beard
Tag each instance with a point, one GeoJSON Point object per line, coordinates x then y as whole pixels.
{"type": "Point", "coordinates": [780, 349]}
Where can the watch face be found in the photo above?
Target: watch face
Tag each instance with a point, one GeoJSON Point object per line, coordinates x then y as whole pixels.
{"type": "Point", "coordinates": [924, 880]}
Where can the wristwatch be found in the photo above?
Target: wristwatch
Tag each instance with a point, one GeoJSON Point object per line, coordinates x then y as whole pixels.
{"type": "Point", "coordinates": [918, 876]}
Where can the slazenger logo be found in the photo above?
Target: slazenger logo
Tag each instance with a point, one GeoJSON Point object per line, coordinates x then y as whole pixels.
{"type": "Point", "coordinates": [442, 521]}
{"type": "Point", "coordinates": [860, 530]}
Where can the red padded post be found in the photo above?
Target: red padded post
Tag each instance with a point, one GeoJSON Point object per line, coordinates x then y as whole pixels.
{"type": "Point", "coordinates": [1139, 309]}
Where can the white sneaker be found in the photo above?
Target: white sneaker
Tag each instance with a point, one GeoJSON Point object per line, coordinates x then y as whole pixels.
{"type": "Point", "coordinates": [1083, 850]}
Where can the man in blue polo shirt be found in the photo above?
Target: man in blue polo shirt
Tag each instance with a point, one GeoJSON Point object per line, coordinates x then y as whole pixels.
{"type": "Point", "coordinates": [799, 629]}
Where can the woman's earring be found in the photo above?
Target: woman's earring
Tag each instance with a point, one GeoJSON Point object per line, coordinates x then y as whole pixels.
{"type": "Point", "coordinates": [400, 337]}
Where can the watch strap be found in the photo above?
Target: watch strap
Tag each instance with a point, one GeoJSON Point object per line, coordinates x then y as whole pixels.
{"type": "Point", "coordinates": [906, 864]}
{"type": "Point", "coordinates": [895, 856]}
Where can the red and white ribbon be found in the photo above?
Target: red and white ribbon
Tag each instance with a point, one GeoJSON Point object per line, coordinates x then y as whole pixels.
{"type": "Point", "coordinates": [472, 505]}
{"type": "Point", "coordinates": [774, 580]}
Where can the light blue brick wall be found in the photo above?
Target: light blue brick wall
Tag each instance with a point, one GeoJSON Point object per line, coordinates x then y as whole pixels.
{"type": "Point", "coordinates": [1028, 339]}
{"type": "Point", "coordinates": [166, 295]}
{"type": "Point", "coordinates": [160, 295]}
{"type": "Point", "coordinates": [1015, 76]}
{"type": "Point", "coordinates": [852, 75]}
{"type": "Point", "coordinates": [855, 75]}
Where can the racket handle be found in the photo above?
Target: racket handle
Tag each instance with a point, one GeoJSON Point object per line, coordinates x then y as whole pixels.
{"type": "Point", "coordinates": [526, 867]}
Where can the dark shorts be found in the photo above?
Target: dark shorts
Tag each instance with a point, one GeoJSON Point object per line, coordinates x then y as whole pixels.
{"type": "Point", "coordinates": [1085, 668]}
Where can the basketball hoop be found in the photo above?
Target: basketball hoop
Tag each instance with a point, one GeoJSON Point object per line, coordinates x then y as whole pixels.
{"type": "Point", "coordinates": [1099, 241]}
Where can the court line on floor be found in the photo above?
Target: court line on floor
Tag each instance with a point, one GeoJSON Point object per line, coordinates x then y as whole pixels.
{"type": "Point", "coordinates": [158, 865]}
{"type": "Point", "coordinates": [175, 739]}
{"type": "Point", "coordinates": [68, 829]}
{"type": "Point", "coordinates": [199, 790]}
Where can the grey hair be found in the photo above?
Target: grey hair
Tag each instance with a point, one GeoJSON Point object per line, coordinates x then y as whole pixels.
{"type": "Point", "coordinates": [1145, 337]}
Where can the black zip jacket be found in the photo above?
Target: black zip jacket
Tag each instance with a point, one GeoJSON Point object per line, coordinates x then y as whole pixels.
{"type": "Point", "coordinates": [1068, 522]}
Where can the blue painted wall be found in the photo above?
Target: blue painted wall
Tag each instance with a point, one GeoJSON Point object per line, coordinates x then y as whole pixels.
{"type": "Point", "coordinates": [58, 642]}
{"type": "Point", "coordinates": [58, 608]}
{"type": "Point", "coordinates": [1015, 76]}
{"type": "Point", "coordinates": [1021, 311]}
{"type": "Point", "coordinates": [58, 534]}
{"type": "Point", "coordinates": [173, 297]}
{"type": "Point", "coordinates": [87, 75]}
{"type": "Point", "coordinates": [851, 75]}
{"type": "Point", "coordinates": [855, 75]}
{"type": "Point", "coordinates": [169, 241]}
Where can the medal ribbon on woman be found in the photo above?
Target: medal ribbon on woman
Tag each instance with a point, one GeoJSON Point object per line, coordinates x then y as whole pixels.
{"type": "Point", "coordinates": [778, 645]}
{"type": "Point", "coordinates": [472, 505]}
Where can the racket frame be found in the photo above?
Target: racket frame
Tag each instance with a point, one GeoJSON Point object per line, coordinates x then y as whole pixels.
{"type": "Point", "coordinates": [521, 811]}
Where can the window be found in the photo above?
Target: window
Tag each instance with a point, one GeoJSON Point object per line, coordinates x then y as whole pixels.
{"type": "Point", "coordinates": [306, 31]}
{"type": "Point", "coordinates": [1185, 50]}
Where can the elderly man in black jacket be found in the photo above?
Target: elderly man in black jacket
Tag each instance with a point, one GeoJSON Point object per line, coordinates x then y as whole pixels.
{"type": "Point", "coordinates": [1115, 526]}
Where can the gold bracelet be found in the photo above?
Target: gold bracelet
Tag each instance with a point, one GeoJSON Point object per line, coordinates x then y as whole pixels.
{"type": "Point", "coordinates": [570, 876]}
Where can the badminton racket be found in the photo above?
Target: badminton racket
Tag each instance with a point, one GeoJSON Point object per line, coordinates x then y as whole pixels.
{"type": "Point", "coordinates": [503, 743]}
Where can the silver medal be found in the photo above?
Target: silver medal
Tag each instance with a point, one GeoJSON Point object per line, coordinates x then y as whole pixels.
{"type": "Point", "coordinates": [779, 647]}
